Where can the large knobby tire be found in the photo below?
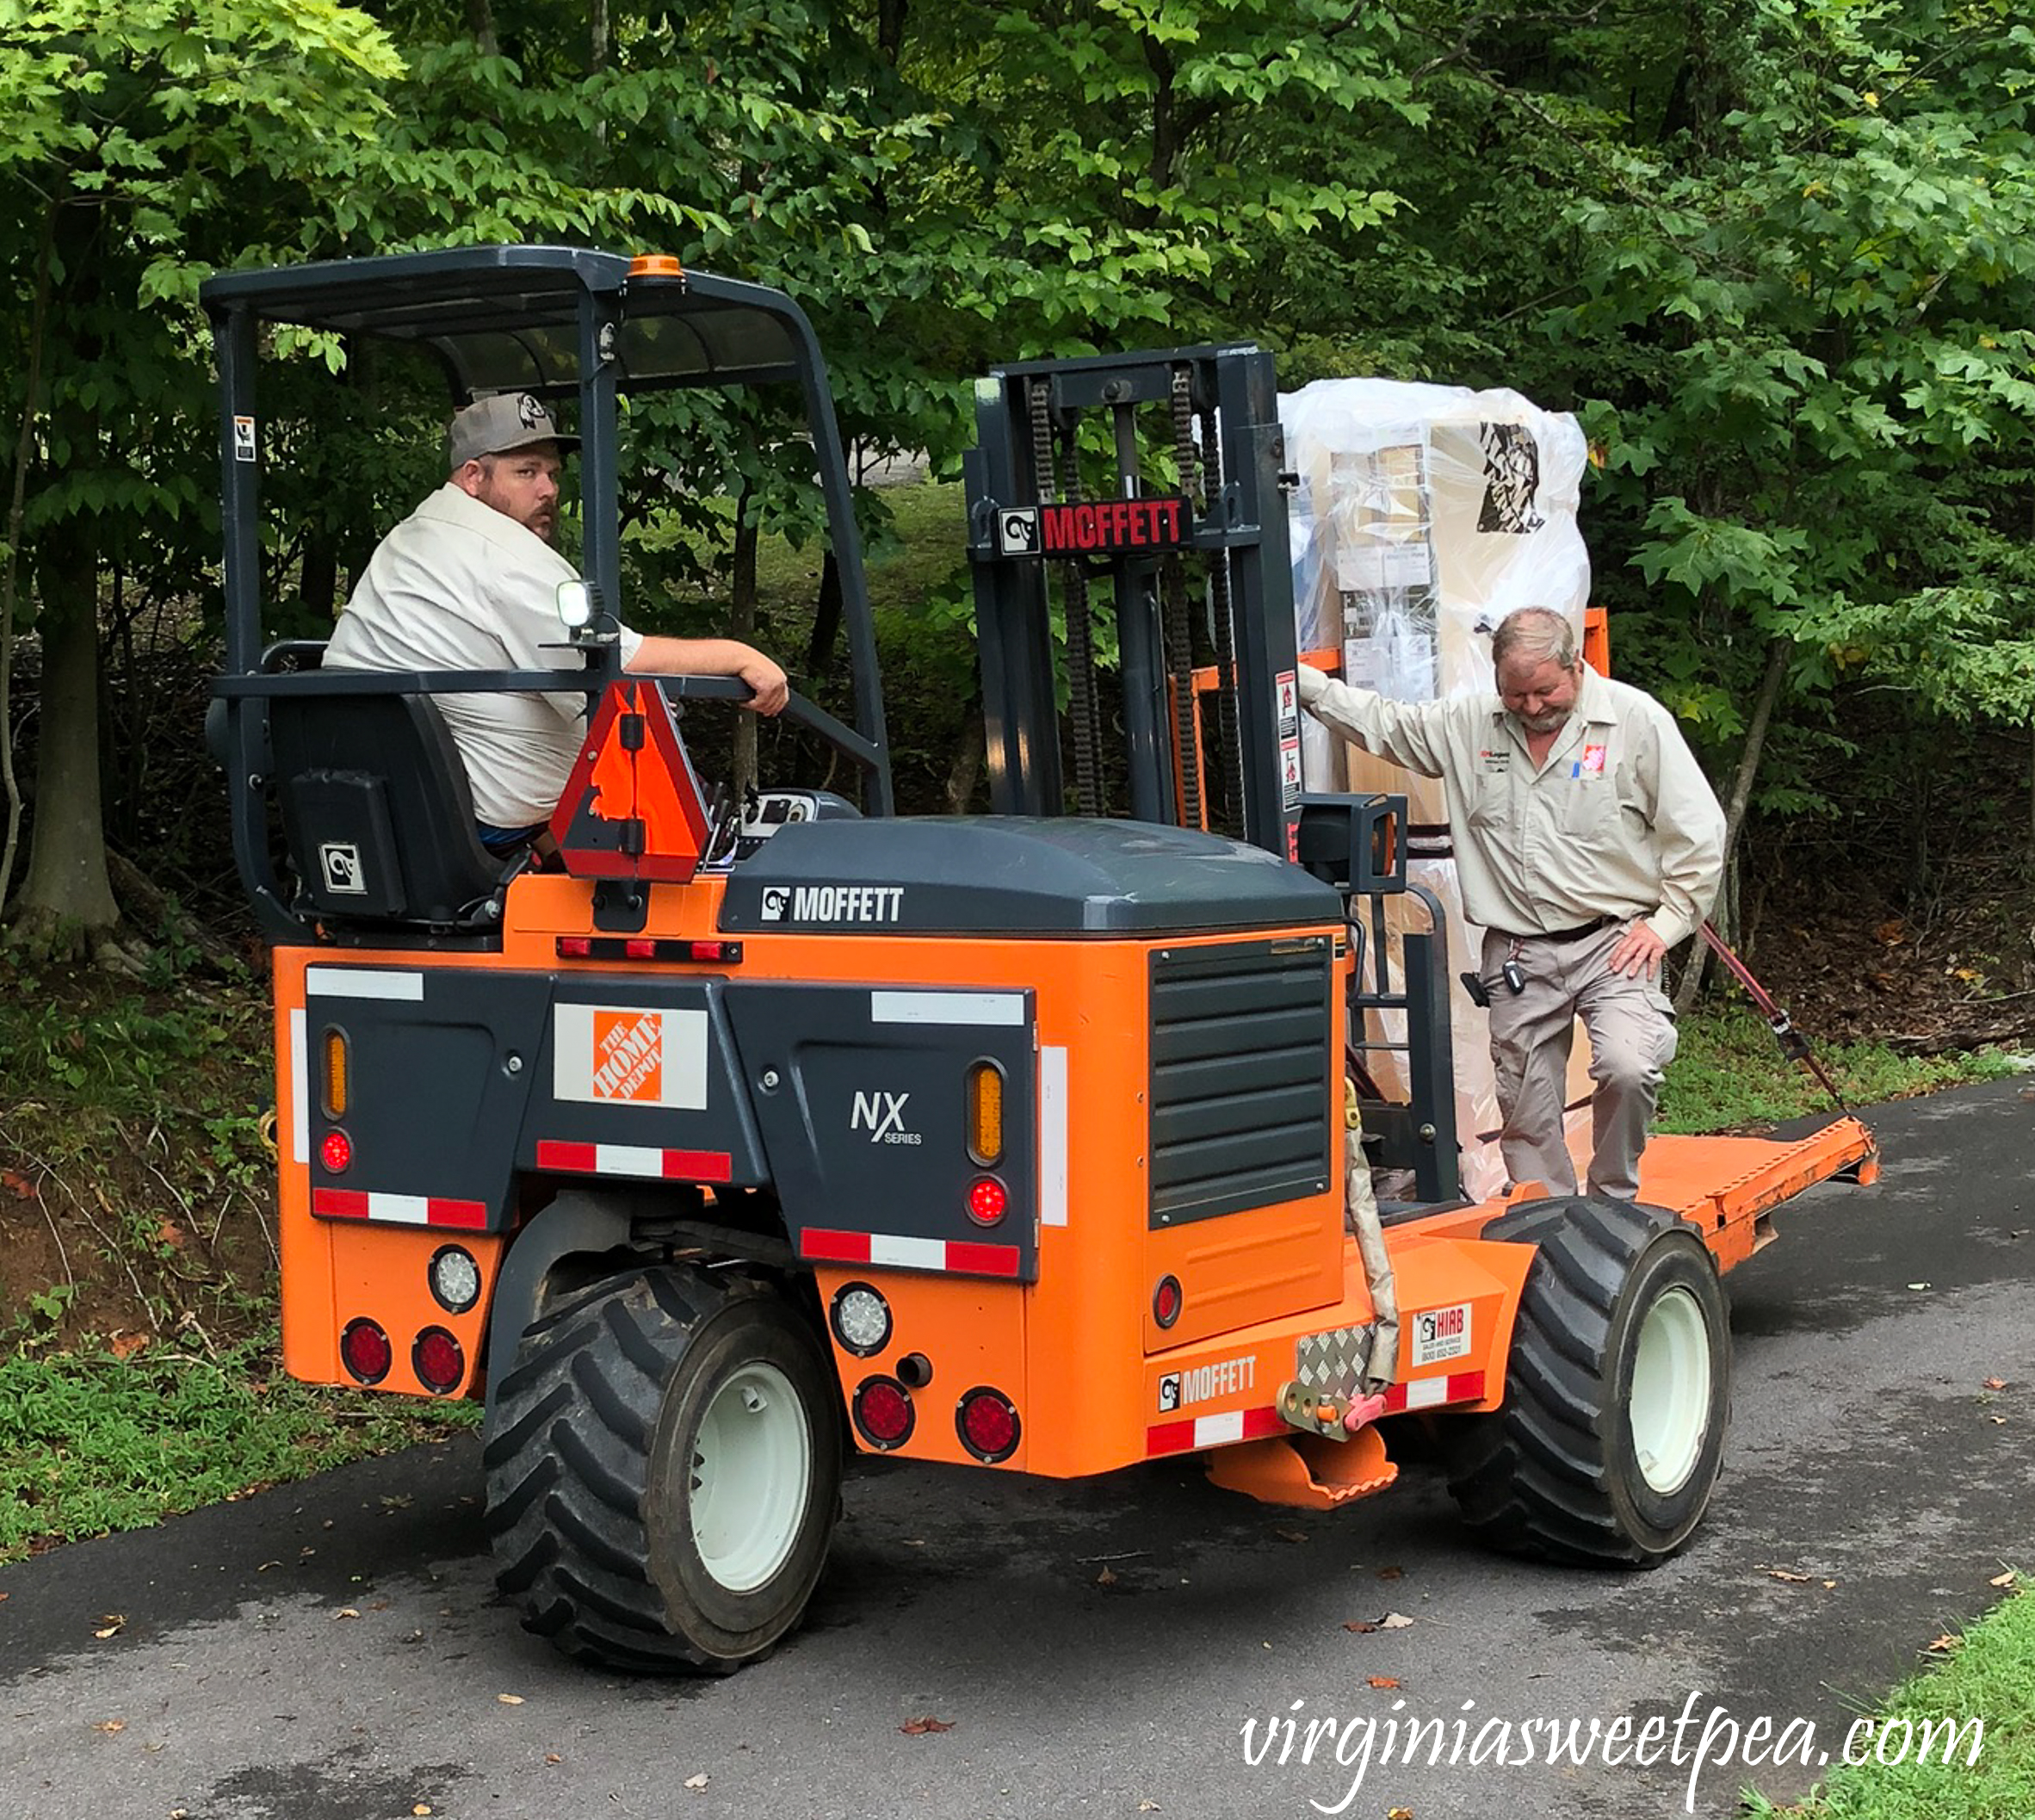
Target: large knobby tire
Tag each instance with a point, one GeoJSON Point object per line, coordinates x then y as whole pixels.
{"type": "Point", "coordinates": [1617, 1394]}
{"type": "Point", "coordinates": [664, 1471]}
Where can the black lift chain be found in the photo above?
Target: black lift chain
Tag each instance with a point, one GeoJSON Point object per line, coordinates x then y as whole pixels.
{"type": "Point", "coordinates": [1230, 759]}
{"type": "Point", "coordinates": [1184, 450]}
{"type": "Point", "coordinates": [1039, 399]}
{"type": "Point", "coordinates": [1179, 625]}
{"type": "Point", "coordinates": [1082, 706]}
{"type": "Point", "coordinates": [1081, 639]}
{"type": "Point", "coordinates": [1179, 660]}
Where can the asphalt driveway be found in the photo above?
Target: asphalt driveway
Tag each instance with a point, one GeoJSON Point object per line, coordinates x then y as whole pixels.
{"type": "Point", "coordinates": [332, 1651]}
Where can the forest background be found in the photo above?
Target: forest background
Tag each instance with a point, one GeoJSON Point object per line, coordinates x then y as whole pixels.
{"type": "Point", "coordinates": [1778, 256]}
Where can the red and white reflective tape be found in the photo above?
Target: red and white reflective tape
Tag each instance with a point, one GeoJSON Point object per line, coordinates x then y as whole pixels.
{"type": "Point", "coordinates": [1213, 1431]}
{"type": "Point", "coordinates": [965, 1257]}
{"type": "Point", "coordinates": [398, 1210]}
{"type": "Point", "coordinates": [1431, 1393]}
{"type": "Point", "coordinates": [637, 1159]}
{"type": "Point", "coordinates": [1256, 1425]}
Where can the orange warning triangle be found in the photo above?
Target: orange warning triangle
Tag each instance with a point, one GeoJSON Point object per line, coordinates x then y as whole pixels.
{"type": "Point", "coordinates": [633, 806]}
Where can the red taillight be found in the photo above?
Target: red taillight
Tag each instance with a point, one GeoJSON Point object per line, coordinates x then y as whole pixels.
{"type": "Point", "coordinates": [987, 1202]}
{"type": "Point", "coordinates": [365, 1351]}
{"type": "Point", "coordinates": [988, 1425]}
{"type": "Point", "coordinates": [336, 1152]}
{"type": "Point", "coordinates": [574, 947]}
{"type": "Point", "coordinates": [639, 948]}
{"type": "Point", "coordinates": [883, 1411]}
{"type": "Point", "coordinates": [1168, 1301]}
{"type": "Point", "coordinates": [717, 951]}
{"type": "Point", "coordinates": [437, 1360]}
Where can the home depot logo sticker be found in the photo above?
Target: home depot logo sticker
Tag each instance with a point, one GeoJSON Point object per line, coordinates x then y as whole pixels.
{"type": "Point", "coordinates": [630, 1055]}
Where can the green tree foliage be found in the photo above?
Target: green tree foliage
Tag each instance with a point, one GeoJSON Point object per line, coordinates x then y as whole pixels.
{"type": "Point", "coordinates": [135, 135]}
{"type": "Point", "coordinates": [1777, 253]}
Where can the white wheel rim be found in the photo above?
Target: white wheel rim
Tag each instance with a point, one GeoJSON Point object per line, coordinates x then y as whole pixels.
{"type": "Point", "coordinates": [752, 1476]}
{"type": "Point", "coordinates": [1669, 1407]}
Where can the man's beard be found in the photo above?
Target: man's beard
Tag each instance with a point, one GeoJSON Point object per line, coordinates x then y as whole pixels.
{"type": "Point", "coordinates": [1552, 721]}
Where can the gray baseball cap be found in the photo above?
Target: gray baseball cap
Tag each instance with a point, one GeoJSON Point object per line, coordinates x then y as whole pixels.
{"type": "Point", "coordinates": [495, 425]}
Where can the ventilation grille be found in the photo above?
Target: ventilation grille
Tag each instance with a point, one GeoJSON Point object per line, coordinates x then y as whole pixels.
{"type": "Point", "coordinates": [1242, 1077]}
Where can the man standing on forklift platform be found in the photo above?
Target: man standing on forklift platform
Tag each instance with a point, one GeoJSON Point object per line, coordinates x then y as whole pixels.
{"type": "Point", "coordinates": [469, 581]}
{"type": "Point", "coordinates": [1588, 842]}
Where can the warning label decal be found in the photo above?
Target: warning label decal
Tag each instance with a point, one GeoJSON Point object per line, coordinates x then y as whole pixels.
{"type": "Point", "coordinates": [1441, 1334]}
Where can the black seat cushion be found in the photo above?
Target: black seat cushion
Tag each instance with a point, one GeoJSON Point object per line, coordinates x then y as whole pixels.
{"type": "Point", "coordinates": [376, 811]}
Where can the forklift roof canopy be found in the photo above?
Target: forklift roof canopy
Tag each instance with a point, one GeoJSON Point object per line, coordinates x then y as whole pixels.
{"type": "Point", "coordinates": [507, 318]}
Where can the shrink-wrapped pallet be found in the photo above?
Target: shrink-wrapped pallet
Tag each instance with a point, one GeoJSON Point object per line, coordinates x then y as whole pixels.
{"type": "Point", "coordinates": [1424, 515]}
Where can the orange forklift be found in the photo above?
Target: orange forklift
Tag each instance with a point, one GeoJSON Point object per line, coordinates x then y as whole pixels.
{"type": "Point", "coordinates": [749, 1130]}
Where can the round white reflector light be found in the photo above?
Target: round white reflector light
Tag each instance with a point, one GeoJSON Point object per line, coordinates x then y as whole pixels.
{"type": "Point", "coordinates": [455, 1279]}
{"type": "Point", "coordinates": [861, 1319]}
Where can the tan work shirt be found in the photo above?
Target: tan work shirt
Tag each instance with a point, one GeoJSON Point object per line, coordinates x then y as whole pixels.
{"type": "Point", "coordinates": [1617, 820]}
{"type": "Point", "coordinates": [458, 586]}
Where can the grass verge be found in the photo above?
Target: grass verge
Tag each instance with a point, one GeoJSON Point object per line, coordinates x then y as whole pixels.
{"type": "Point", "coordinates": [1989, 1677]}
{"type": "Point", "coordinates": [1728, 1075]}
{"type": "Point", "coordinates": [139, 1357]}
{"type": "Point", "coordinates": [91, 1442]}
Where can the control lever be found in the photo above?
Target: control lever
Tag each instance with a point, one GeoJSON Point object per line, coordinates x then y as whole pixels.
{"type": "Point", "coordinates": [724, 824]}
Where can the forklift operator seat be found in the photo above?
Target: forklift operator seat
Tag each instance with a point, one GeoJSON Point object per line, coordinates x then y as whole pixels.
{"type": "Point", "coordinates": [377, 813]}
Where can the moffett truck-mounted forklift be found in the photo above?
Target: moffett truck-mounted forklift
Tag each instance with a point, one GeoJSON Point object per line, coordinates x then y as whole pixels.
{"type": "Point", "coordinates": [747, 1132]}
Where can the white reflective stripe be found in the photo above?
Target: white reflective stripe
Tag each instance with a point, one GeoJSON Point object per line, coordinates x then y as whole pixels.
{"type": "Point", "coordinates": [361, 983]}
{"type": "Point", "coordinates": [1211, 1431]}
{"type": "Point", "coordinates": [627, 1159]}
{"type": "Point", "coordinates": [1423, 1393]}
{"type": "Point", "coordinates": [947, 1008]}
{"type": "Point", "coordinates": [401, 1210]}
{"type": "Point", "coordinates": [300, 1092]}
{"type": "Point", "coordinates": [907, 1254]}
{"type": "Point", "coordinates": [1053, 1138]}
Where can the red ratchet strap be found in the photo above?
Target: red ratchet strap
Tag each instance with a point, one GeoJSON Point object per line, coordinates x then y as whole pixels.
{"type": "Point", "coordinates": [1793, 1045]}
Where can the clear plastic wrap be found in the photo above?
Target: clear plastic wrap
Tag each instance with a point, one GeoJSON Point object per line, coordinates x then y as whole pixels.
{"type": "Point", "coordinates": [1424, 515]}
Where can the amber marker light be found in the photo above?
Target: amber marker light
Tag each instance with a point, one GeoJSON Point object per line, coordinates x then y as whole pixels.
{"type": "Point", "coordinates": [338, 1070]}
{"type": "Point", "coordinates": [986, 1113]}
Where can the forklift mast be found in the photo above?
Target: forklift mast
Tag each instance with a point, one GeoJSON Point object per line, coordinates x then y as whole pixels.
{"type": "Point", "coordinates": [1158, 476]}
{"type": "Point", "coordinates": [1147, 491]}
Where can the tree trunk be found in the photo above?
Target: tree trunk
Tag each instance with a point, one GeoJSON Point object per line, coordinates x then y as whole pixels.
{"type": "Point", "coordinates": [890, 30]}
{"type": "Point", "coordinates": [1742, 796]}
{"type": "Point", "coordinates": [67, 903]}
{"type": "Point", "coordinates": [24, 454]}
{"type": "Point", "coordinates": [968, 763]}
{"type": "Point", "coordinates": [826, 619]}
{"type": "Point", "coordinates": [742, 765]}
{"type": "Point", "coordinates": [480, 21]}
